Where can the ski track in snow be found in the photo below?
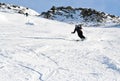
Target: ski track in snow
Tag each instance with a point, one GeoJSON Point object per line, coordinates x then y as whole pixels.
{"type": "Point", "coordinates": [46, 51]}
{"type": "Point", "coordinates": [34, 71]}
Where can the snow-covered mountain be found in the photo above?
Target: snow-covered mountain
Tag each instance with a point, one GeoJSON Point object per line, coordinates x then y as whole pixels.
{"type": "Point", "coordinates": [86, 16]}
{"type": "Point", "coordinates": [16, 9]}
{"type": "Point", "coordinates": [38, 49]}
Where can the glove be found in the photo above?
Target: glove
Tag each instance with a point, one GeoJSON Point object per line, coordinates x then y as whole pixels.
{"type": "Point", "coordinates": [72, 32]}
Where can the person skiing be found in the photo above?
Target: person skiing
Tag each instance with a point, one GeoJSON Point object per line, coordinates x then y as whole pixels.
{"type": "Point", "coordinates": [26, 14]}
{"type": "Point", "coordinates": [78, 28]}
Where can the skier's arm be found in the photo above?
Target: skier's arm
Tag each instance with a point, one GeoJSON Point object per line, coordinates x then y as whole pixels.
{"type": "Point", "coordinates": [74, 31]}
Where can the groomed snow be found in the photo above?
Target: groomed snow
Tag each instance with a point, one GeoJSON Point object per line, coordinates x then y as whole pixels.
{"type": "Point", "coordinates": [37, 49]}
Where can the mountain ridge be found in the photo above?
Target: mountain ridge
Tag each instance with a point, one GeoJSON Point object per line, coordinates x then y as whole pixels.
{"type": "Point", "coordinates": [80, 15]}
{"type": "Point", "coordinates": [85, 16]}
{"type": "Point", "coordinates": [11, 8]}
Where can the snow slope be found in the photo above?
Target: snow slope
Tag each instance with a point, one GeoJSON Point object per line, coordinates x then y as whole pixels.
{"type": "Point", "coordinates": [37, 49]}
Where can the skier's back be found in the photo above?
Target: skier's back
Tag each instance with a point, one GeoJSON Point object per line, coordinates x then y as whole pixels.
{"type": "Point", "coordinates": [78, 28]}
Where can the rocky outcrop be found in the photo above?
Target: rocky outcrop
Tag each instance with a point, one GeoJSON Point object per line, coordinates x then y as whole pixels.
{"type": "Point", "coordinates": [79, 15]}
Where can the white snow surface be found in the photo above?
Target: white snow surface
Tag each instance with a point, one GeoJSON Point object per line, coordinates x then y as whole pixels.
{"type": "Point", "coordinates": [37, 49]}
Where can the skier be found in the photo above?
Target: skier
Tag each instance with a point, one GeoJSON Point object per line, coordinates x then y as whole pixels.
{"type": "Point", "coordinates": [26, 14]}
{"type": "Point", "coordinates": [78, 28]}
